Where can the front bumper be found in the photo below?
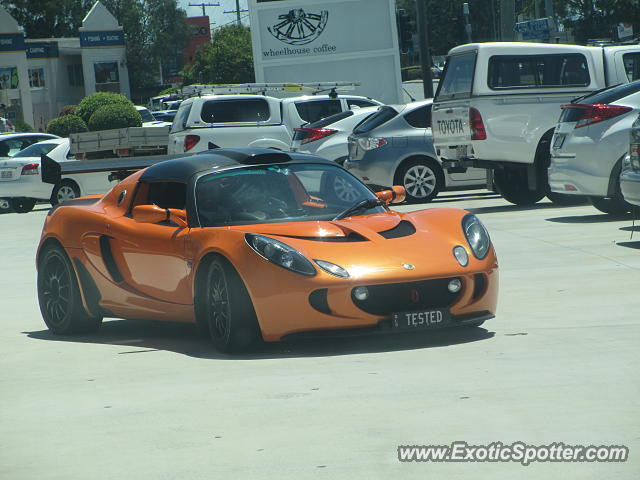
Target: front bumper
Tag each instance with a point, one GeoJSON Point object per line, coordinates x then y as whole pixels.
{"type": "Point", "coordinates": [630, 186]}
{"type": "Point", "coordinates": [285, 314]}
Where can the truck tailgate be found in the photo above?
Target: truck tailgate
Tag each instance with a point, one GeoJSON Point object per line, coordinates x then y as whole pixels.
{"type": "Point", "coordinates": [451, 124]}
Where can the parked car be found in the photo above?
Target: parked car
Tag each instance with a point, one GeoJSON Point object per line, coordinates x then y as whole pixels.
{"type": "Point", "coordinates": [394, 147]}
{"type": "Point", "coordinates": [165, 115]}
{"type": "Point", "coordinates": [497, 104]}
{"type": "Point", "coordinates": [21, 183]}
{"type": "Point", "coordinates": [12, 143]}
{"type": "Point", "coordinates": [590, 143]}
{"type": "Point", "coordinates": [6, 126]}
{"type": "Point", "coordinates": [249, 244]}
{"type": "Point", "coordinates": [149, 119]}
{"type": "Point", "coordinates": [328, 137]}
{"type": "Point", "coordinates": [630, 175]}
{"type": "Point", "coordinates": [213, 121]}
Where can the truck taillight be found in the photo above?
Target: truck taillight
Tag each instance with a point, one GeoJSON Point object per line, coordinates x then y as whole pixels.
{"type": "Point", "coordinates": [599, 112]}
{"type": "Point", "coordinates": [30, 169]}
{"type": "Point", "coordinates": [190, 141]}
{"type": "Point", "coordinates": [308, 135]}
{"type": "Point", "coordinates": [476, 125]}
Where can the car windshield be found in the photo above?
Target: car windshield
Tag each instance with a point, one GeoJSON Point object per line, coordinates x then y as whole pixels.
{"type": "Point", "coordinates": [146, 115]}
{"type": "Point", "coordinates": [36, 150]}
{"type": "Point", "coordinates": [280, 193]}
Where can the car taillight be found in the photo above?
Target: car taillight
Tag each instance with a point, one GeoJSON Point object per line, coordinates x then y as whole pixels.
{"type": "Point", "coordinates": [30, 169]}
{"type": "Point", "coordinates": [190, 141]}
{"type": "Point", "coordinates": [308, 135]}
{"type": "Point", "coordinates": [372, 143]}
{"type": "Point", "coordinates": [597, 113]}
{"type": "Point", "coordinates": [476, 124]}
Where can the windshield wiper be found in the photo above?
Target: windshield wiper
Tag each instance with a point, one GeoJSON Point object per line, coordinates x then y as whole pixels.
{"type": "Point", "coordinates": [368, 203]}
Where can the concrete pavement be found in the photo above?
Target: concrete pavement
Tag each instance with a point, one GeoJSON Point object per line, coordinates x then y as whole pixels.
{"type": "Point", "coordinates": [143, 400]}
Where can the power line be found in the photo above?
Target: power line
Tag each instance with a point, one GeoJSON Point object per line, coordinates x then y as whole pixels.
{"type": "Point", "coordinates": [204, 13]}
{"type": "Point", "coordinates": [237, 11]}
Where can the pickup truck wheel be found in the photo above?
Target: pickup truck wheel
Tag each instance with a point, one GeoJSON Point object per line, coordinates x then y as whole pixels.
{"type": "Point", "coordinates": [22, 204]}
{"type": "Point", "coordinates": [63, 191]}
{"type": "Point", "coordinates": [512, 184]}
{"type": "Point", "coordinates": [422, 179]}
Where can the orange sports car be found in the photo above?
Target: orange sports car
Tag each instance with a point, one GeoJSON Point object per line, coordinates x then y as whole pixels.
{"type": "Point", "coordinates": [254, 243]}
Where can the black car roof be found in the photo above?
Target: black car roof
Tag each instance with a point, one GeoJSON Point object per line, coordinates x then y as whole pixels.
{"type": "Point", "coordinates": [182, 169]}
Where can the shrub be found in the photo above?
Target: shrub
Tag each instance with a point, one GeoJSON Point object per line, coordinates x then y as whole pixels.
{"type": "Point", "coordinates": [115, 116]}
{"type": "Point", "coordinates": [65, 125]}
{"type": "Point", "coordinates": [90, 104]}
{"type": "Point", "coordinates": [68, 110]}
{"type": "Point", "coordinates": [22, 126]}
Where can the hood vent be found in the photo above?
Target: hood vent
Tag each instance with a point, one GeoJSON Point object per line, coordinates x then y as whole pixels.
{"type": "Point", "coordinates": [352, 237]}
{"type": "Point", "coordinates": [403, 229]}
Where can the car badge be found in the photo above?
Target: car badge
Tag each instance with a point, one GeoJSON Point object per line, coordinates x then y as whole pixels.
{"type": "Point", "coordinates": [408, 266]}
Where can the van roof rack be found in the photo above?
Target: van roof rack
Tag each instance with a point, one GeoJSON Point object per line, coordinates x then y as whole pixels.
{"type": "Point", "coordinates": [262, 88]}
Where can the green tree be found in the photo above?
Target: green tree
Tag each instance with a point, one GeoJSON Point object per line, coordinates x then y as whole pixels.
{"type": "Point", "coordinates": [48, 18]}
{"type": "Point", "coordinates": [228, 59]}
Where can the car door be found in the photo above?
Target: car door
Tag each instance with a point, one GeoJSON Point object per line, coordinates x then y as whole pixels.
{"type": "Point", "coordinates": [151, 258]}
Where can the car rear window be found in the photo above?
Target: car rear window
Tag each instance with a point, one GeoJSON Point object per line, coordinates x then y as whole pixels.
{"type": "Point", "coordinates": [538, 71]}
{"type": "Point", "coordinates": [332, 119]}
{"type": "Point", "coordinates": [314, 110]}
{"type": "Point", "coordinates": [613, 94]}
{"type": "Point", "coordinates": [383, 115]}
{"type": "Point", "coordinates": [36, 150]}
{"type": "Point", "coordinates": [457, 77]}
{"type": "Point", "coordinates": [235, 111]}
{"type": "Point", "coordinates": [180, 120]}
{"type": "Point", "coordinates": [632, 66]}
{"type": "Point", "coordinates": [420, 117]}
{"type": "Point", "coordinates": [354, 102]}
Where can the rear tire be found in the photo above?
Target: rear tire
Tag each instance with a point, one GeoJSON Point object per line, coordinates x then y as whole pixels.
{"type": "Point", "coordinates": [512, 184]}
{"type": "Point", "coordinates": [63, 191]}
{"type": "Point", "coordinates": [422, 179]}
{"type": "Point", "coordinates": [22, 204]}
{"type": "Point", "coordinates": [232, 321]}
{"type": "Point", "coordinates": [59, 295]}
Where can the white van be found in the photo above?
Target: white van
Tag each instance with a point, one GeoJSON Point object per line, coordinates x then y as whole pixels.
{"type": "Point", "coordinates": [498, 103]}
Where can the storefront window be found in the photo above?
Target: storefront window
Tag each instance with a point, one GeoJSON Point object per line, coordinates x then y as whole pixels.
{"type": "Point", "coordinates": [107, 77]}
{"type": "Point", "coordinates": [36, 78]}
{"type": "Point", "coordinates": [9, 78]}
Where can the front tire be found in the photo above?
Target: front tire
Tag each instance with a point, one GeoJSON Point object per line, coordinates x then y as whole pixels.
{"type": "Point", "coordinates": [59, 295]}
{"type": "Point", "coordinates": [22, 204]}
{"type": "Point", "coordinates": [422, 179]}
{"type": "Point", "coordinates": [228, 309]}
{"type": "Point", "coordinates": [63, 191]}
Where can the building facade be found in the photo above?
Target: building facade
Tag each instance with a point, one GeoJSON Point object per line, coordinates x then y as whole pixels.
{"type": "Point", "coordinates": [40, 76]}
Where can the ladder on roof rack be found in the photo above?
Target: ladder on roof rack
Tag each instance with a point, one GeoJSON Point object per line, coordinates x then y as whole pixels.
{"type": "Point", "coordinates": [263, 88]}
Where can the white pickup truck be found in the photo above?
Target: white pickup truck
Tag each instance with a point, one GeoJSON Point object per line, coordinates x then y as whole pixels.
{"type": "Point", "coordinates": [497, 105]}
{"type": "Point", "coordinates": [213, 121]}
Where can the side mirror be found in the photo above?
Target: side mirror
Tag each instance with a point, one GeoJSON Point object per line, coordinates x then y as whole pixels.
{"type": "Point", "coordinates": [396, 194]}
{"type": "Point", "coordinates": [155, 214]}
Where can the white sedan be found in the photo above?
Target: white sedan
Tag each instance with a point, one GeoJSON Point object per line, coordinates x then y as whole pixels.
{"type": "Point", "coordinates": [21, 185]}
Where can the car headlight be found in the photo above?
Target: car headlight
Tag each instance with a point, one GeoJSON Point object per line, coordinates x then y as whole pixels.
{"type": "Point", "coordinates": [280, 253]}
{"type": "Point", "coordinates": [477, 236]}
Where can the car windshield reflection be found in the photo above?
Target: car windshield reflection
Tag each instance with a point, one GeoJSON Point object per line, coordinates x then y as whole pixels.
{"type": "Point", "coordinates": [279, 193]}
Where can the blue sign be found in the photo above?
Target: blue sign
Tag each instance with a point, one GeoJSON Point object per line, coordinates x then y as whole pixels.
{"type": "Point", "coordinates": [11, 42]}
{"type": "Point", "coordinates": [42, 50]}
{"type": "Point", "coordinates": [102, 39]}
{"type": "Point", "coordinates": [534, 29]}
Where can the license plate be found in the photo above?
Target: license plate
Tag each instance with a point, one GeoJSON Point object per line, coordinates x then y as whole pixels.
{"type": "Point", "coordinates": [6, 173]}
{"type": "Point", "coordinates": [559, 140]}
{"type": "Point", "coordinates": [421, 320]}
{"type": "Point", "coordinates": [461, 151]}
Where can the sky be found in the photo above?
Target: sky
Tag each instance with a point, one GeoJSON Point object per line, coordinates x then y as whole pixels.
{"type": "Point", "coordinates": [216, 13]}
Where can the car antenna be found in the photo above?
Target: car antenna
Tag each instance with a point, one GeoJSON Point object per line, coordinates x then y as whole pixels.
{"type": "Point", "coordinates": [408, 94]}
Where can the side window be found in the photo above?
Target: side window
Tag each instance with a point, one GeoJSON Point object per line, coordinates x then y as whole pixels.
{"type": "Point", "coordinates": [419, 118]}
{"type": "Point", "coordinates": [180, 120]}
{"type": "Point", "coordinates": [314, 110]}
{"type": "Point", "coordinates": [235, 111]}
{"type": "Point", "coordinates": [354, 102]}
{"type": "Point", "coordinates": [632, 65]}
{"type": "Point", "coordinates": [538, 71]}
{"type": "Point", "coordinates": [167, 194]}
{"type": "Point", "coordinates": [15, 145]}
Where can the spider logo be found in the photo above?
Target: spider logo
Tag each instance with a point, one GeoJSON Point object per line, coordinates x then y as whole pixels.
{"type": "Point", "coordinates": [299, 27]}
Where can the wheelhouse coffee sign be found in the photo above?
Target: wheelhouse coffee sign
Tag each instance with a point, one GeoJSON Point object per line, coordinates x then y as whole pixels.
{"type": "Point", "coordinates": [330, 40]}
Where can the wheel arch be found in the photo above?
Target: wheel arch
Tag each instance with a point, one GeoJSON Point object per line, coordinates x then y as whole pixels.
{"type": "Point", "coordinates": [416, 156]}
{"type": "Point", "coordinates": [614, 177]}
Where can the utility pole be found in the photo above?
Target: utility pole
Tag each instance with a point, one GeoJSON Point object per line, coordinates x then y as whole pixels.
{"type": "Point", "coordinates": [467, 24]}
{"type": "Point", "coordinates": [423, 44]}
{"type": "Point", "coordinates": [237, 12]}
{"type": "Point", "coordinates": [204, 13]}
